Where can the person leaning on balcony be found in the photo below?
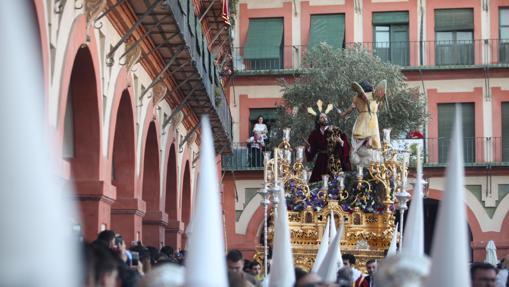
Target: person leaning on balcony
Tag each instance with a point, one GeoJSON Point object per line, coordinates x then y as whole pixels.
{"type": "Point", "coordinates": [260, 127]}
{"type": "Point", "coordinates": [256, 146]}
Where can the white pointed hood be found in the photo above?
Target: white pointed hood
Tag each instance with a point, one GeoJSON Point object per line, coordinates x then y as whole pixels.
{"type": "Point", "coordinates": [332, 233]}
{"type": "Point", "coordinates": [393, 248]}
{"type": "Point", "coordinates": [36, 206]}
{"type": "Point", "coordinates": [491, 253]}
{"type": "Point", "coordinates": [449, 255]}
{"type": "Point", "coordinates": [332, 261]}
{"type": "Point", "coordinates": [282, 271]}
{"type": "Point", "coordinates": [206, 248]}
{"type": "Point", "coordinates": [414, 229]}
{"type": "Point", "coordinates": [322, 250]}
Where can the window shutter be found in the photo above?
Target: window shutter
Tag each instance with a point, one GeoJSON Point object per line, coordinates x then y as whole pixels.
{"type": "Point", "coordinates": [505, 131]}
{"type": "Point", "coordinates": [504, 17]}
{"type": "Point", "coordinates": [384, 18]}
{"type": "Point", "coordinates": [454, 20]}
{"type": "Point", "coordinates": [327, 28]}
{"type": "Point", "coordinates": [399, 45]}
{"type": "Point", "coordinates": [446, 113]}
{"type": "Point", "coordinates": [264, 39]}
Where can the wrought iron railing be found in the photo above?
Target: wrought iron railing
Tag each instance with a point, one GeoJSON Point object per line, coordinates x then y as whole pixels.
{"type": "Point", "coordinates": [243, 157]}
{"type": "Point", "coordinates": [407, 54]}
{"type": "Point", "coordinates": [477, 151]}
{"type": "Point", "coordinates": [213, 88]}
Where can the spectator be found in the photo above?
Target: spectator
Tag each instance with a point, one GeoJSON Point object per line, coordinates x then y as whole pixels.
{"type": "Point", "coordinates": [121, 250]}
{"type": "Point", "coordinates": [144, 257]}
{"type": "Point", "coordinates": [167, 275]}
{"type": "Point", "coordinates": [260, 127]}
{"type": "Point", "coordinates": [502, 276]}
{"type": "Point", "coordinates": [483, 274]}
{"type": "Point", "coordinates": [367, 281]}
{"type": "Point", "coordinates": [256, 270]}
{"type": "Point", "coordinates": [107, 237]}
{"type": "Point", "coordinates": [344, 278]}
{"type": "Point", "coordinates": [303, 279]}
{"type": "Point", "coordinates": [235, 263]}
{"type": "Point", "coordinates": [247, 266]}
{"type": "Point", "coordinates": [105, 266]}
{"type": "Point", "coordinates": [168, 250]}
{"type": "Point", "coordinates": [349, 260]}
{"type": "Point", "coordinates": [235, 279]}
{"type": "Point", "coordinates": [256, 147]}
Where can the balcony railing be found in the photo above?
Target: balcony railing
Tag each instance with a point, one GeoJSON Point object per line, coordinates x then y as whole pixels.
{"type": "Point", "coordinates": [243, 157]}
{"type": "Point", "coordinates": [407, 54]}
{"type": "Point", "coordinates": [478, 151]}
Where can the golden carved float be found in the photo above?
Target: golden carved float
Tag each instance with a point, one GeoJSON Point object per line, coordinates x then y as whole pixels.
{"type": "Point", "coordinates": [362, 200]}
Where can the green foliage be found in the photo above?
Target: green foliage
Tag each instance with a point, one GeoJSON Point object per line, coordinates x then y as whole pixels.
{"type": "Point", "coordinates": [328, 75]}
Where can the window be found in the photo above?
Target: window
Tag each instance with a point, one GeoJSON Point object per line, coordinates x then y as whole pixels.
{"type": "Point", "coordinates": [328, 28]}
{"type": "Point", "coordinates": [505, 132]}
{"type": "Point", "coordinates": [504, 35]}
{"type": "Point", "coordinates": [446, 114]}
{"type": "Point", "coordinates": [454, 30]}
{"type": "Point", "coordinates": [264, 45]}
{"type": "Point", "coordinates": [391, 37]}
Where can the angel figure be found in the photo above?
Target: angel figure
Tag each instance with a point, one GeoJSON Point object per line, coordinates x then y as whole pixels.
{"type": "Point", "coordinates": [366, 134]}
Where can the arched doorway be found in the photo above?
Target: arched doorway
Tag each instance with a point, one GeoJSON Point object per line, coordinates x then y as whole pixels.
{"type": "Point", "coordinates": [186, 196]}
{"type": "Point", "coordinates": [82, 126]}
{"type": "Point", "coordinates": [173, 232]}
{"type": "Point", "coordinates": [153, 232]}
{"type": "Point", "coordinates": [123, 169]}
{"type": "Point", "coordinates": [81, 143]}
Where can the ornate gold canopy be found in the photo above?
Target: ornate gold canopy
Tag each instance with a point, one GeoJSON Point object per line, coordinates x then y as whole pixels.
{"type": "Point", "coordinates": [362, 200]}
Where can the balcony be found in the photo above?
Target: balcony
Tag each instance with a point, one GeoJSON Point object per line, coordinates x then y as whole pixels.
{"type": "Point", "coordinates": [243, 158]}
{"type": "Point", "coordinates": [479, 151]}
{"type": "Point", "coordinates": [412, 54]}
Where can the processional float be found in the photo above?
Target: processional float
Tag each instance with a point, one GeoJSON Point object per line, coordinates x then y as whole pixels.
{"type": "Point", "coordinates": [364, 201]}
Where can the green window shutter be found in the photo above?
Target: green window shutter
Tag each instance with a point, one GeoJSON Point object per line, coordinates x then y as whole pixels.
{"type": "Point", "coordinates": [267, 114]}
{"type": "Point", "coordinates": [264, 39]}
{"type": "Point", "coordinates": [327, 28]}
{"type": "Point", "coordinates": [446, 113]}
{"type": "Point", "coordinates": [399, 44]}
{"type": "Point", "coordinates": [384, 18]}
{"type": "Point", "coordinates": [505, 131]}
{"type": "Point", "coordinates": [454, 20]}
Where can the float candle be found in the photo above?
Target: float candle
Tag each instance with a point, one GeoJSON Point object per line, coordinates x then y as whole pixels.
{"type": "Point", "coordinates": [276, 156]}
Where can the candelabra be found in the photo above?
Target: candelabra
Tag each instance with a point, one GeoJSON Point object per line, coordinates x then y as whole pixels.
{"type": "Point", "coordinates": [276, 170]}
{"type": "Point", "coordinates": [403, 196]}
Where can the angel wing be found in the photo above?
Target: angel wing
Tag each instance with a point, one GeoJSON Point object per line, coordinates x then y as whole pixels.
{"type": "Point", "coordinates": [360, 91]}
{"type": "Point", "coordinates": [380, 90]}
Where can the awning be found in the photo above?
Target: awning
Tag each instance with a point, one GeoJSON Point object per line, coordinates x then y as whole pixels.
{"type": "Point", "coordinates": [385, 18]}
{"type": "Point", "coordinates": [328, 28]}
{"type": "Point", "coordinates": [264, 39]}
{"type": "Point", "coordinates": [454, 20]}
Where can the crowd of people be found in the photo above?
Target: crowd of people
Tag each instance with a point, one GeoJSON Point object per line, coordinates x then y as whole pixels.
{"type": "Point", "coordinates": [107, 262]}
